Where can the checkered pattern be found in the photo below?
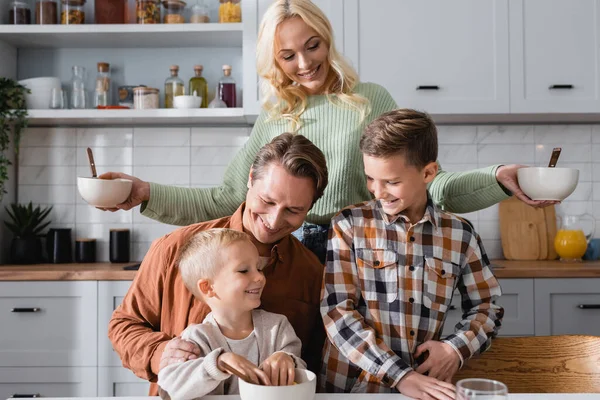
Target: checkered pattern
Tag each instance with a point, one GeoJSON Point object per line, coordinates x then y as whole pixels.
{"type": "Point", "coordinates": [387, 288]}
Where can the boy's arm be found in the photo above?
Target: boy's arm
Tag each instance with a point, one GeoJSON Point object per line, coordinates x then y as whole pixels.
{"type": "Point", "coordinates": [479, 289]}
{"type": "Point", "coordinates": [193, 378]}
{"type": "Point", "coordinates": [287, 342]}
{"type": "Point", "coordinates": [345, 326]}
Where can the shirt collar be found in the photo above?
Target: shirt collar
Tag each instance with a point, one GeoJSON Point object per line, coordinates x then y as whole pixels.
{"type": "Point", "coordinates": [431, 215]}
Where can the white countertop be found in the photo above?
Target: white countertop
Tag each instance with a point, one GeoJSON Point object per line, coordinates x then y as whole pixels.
{"type": "Point", "coordinates": [542, 396]}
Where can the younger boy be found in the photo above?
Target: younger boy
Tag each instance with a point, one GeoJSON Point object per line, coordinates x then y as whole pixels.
{"type": "Point", "coordinates": [393, 264]}
{"type": "Point", "coordinates": [221, 267]}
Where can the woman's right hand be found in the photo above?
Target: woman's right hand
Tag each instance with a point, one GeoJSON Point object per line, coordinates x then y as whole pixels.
{"type": "Point", "coordinates": [140, 191]}
{"type": "Point", "coordinates": [422, 387]}
{"type": "Point", "coordinates": [244, 366]}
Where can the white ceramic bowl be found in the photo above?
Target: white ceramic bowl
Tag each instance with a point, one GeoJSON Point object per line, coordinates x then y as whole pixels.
{"type": "Point", "coordinates": [305, 389]}
{"type": "Point", "coordinates": [41, 91]}
{"type": "Point", "coordinates": [186, 102]}
{"type": "Point", "coordinates": [104, 192]}
{"type": "Point", "coordinates": [543, 183]}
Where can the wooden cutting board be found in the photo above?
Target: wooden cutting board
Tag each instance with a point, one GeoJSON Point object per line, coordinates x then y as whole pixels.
{"type": "Point", "coordinates": [523, 231]}
{"type": "Point", "coordinates": [551, 229]}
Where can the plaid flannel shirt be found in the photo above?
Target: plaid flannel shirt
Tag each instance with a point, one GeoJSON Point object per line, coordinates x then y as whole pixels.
{"type": "Point", "coordinates": [387, 287]}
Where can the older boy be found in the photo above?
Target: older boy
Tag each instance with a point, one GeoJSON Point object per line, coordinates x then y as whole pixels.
{"type": "Point", "coordinates": [221, 267]}
{"type": "Point", "coordinates": [393, 264]}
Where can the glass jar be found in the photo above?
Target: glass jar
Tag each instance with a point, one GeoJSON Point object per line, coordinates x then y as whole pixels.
{"type": "Point", "coordinates": [46, 12]}
{"type": "Point", "coordinates": [174, 86]}
{"type": "Point", "coordinates": [19, 13]}
{"type": "Point", "coordinates": [173, 11]}
{"type": "Point", "coordinates": [72, 12]}
{"type": "Point", "coordinates": [147, 11]}
{"type": "Point", "coordinates": [199, 13]}
{"type": "Point", "coordinates": [110, 11]}
{"type": "Point", "coordinates": [230, 11]}
{"type": "Point", "coordinates": [145, 98]}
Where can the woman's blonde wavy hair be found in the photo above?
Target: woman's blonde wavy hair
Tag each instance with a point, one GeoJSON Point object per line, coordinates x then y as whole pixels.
{"type": "Point", "coordinates": [282, 97]}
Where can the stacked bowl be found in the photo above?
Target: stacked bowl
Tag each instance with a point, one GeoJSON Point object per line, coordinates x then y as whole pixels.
{"type": "Point", "coordinates": [41, 91]}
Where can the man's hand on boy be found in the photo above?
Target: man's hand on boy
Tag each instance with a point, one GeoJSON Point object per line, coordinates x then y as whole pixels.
{"type": "Point", "coordinates": [423, 387]}
{"type": "Point", "coordinates": [244, 366]}
{"type": "Point", "coordinates": [178, 350]}
{"type": "Point", "coordinates": [280, 368]}
{"type": "Point", "coordinates": [442, 362]}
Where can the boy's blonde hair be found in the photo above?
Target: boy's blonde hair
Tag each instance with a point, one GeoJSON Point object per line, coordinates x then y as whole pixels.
{"type": "Point", "coordinates": [290, 100]}
{"type": "Point", "coordinates": [404, 131]}
{"type": "Point", "coordinates": [199, 256]}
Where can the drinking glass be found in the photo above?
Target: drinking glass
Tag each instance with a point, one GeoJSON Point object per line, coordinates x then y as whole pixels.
{"type": "Point", "coordinates": [58, 99]}
{"type": "Point", "coordinates": [481, 389]}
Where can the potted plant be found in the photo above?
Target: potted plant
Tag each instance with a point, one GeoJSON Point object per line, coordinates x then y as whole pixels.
{"type": "Point", "coordinates": [26, 223]}
{"type": "Point", "coordinates": [13, 118]}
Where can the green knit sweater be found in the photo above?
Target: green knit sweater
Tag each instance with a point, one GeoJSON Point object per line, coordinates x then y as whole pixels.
{"type": "Point", "coordinates": [336, 130]}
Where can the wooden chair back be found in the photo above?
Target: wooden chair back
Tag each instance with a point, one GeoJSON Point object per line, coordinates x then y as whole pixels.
{"type": "Point", "coordinates": [540, 364]}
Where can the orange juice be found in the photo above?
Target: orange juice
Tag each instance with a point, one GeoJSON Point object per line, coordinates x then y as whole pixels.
{"type": "Point", "coordinates": [570, 244]}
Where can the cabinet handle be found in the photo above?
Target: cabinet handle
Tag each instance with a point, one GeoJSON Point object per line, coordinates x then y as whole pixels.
{"type": "Point", "coordinates": [452, 307]}
{"type": "Point", "coordinates": [428, 87]}
{"type": "Point", "coordinates": [22, 396]}
{"type": "Point", "coordinates": [561, 87]}
{"type": "Point", "coordinates": [589, 306]}
{"type": "Point", "coordinates": [32, 309]}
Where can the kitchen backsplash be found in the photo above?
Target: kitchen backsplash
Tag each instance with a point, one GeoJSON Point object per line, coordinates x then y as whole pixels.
{"type": "Point", "coordinates": [51, 159]}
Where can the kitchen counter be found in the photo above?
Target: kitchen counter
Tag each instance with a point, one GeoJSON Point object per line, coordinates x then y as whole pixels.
{"type": "Point", "coordinates": [503, 269]}
{"type": "Point", "coordinates": [544, 396]}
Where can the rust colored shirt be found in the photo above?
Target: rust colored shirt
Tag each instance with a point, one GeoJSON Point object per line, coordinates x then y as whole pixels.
{"type": "Point", "coordinates": [158, 306]}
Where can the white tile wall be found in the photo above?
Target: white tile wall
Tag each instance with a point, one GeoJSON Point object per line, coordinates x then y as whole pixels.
{"type": "Point", "coordinates": [51, 159]}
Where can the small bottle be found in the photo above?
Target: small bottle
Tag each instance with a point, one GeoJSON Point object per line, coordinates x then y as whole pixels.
{"type": "Point", "coordinates": [102, 91]}
{"type": "Point", "coordinates": [72, 12]}
{"type": "Point", "coordinates": [198, 85]}
{"type": "Point", "coordinates": [227, 87]}
{"type": "Point", "coordinates": [174, 86]}
{"type": "Point", "coordinates": [230, 11]}
{"type": "Point", "coordinates": [199, 13]}
{"type": "Point", "coordinates": [19, 13]}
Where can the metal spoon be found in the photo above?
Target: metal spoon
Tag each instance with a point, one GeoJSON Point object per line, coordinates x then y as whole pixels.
{"type": "Point", "coordinates": [92, 163]}
{"type": "Point", "coordinates": [554, 157]}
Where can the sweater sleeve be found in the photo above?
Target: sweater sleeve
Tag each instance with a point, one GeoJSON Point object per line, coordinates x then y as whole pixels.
{"type": "Point", "coordinates": [463, 192]}
{"type": "Point", "coordinates": [287, 342]}
{"type": "Point", "coordinates": [186, 206]}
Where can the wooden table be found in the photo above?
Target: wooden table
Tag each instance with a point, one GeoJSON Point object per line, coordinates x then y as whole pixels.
{"type": "Point", "coordinates": [541, 396]}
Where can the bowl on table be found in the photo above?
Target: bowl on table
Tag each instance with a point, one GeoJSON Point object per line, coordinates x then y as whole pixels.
{"type": "Point", "coordinates": [106, 193]}
{"type": "Point", "coordinates": [41, 91]}
{"type": "Point", "coordinates": [545, 183]}
{"type": "Point", "coordinates": [187, 102]}
{"type": "Point", "coordinates": [304, 388]}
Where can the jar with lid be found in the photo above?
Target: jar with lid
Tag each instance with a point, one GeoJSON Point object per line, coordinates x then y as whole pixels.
{"type": "Point", "coordinates": [72, 12]}
{"type": "Point", "coordinates": [102, 91]}
{"type": "Point", "coordinates": [173, 11]}
{"type": "Point", "coordinates": [174, 86]}
{"type": "Point", "coordinates": [230, 11]}
{"type": "Point", "coordinates": [110, 11]}
{"type": "Point", "coordinates": [145, 98]}
{"type": "Point", "coordinates": [199, 13]}
{"type": "Point", "coordinates": [19, 13]}
{"type": "Point", "coordinates": [147, 11]}
{"type": "Point", "coordinates": [46, 12]}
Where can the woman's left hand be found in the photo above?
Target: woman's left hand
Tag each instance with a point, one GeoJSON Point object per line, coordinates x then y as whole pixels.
{"type": "Point", "coordinates": [279, 367]}
{"type": "Point", "coordinates": [507, 176]}
{"type": "Point", "coordinates": [442, 362]}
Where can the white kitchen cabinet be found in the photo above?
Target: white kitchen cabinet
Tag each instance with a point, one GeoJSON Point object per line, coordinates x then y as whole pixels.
{"type": "Point", "coordinates": [517, 300]}
{"type": "Point", "coordinates": [48, 382]}
{"type": "Point", "coordinates": [567, 307]}
{"type": "Point", "coordinates": [120, 382]}
{"type": "Point", "coordinates": [438, 56]}
{"type": "Point", "coordinates": [554, 65]}
{"type": "Point", "coordinates": [48, 324]}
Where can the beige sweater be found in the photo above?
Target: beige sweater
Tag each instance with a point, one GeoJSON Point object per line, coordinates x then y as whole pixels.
{"type": "Point", "coordinates": [200, 377]}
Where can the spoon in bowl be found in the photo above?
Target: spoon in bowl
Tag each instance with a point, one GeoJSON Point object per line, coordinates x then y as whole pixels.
{"type": "Point", "coordinates": [92, 163]}
{"type": "Point", "coordinates": [554, 157]}
{"type": "Point", "coordinates": [237, 373]}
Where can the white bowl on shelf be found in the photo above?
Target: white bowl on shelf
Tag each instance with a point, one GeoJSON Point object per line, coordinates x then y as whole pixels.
{"type": "Point", "coordinates": [106, 193]}
{"type": "Point", "coordinates": [186, 102]}
{"type": "Point", "coordinates": [544, 183]}
{"type": "Point", "coordinates": [41, 91]}
{"type": "Point", "coordinates": [304, 389]}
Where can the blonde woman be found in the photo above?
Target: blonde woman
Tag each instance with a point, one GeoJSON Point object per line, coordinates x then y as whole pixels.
{"type": "Point", "coordinates": [311, 89]}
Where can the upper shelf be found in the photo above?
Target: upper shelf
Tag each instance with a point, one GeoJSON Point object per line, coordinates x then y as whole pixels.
{"type": "Point", "coordinates": [123, 36]}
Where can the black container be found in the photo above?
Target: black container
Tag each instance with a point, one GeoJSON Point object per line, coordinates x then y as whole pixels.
{"type": "Point", "coordinates": [119, 246]}
{"type": "Point", "coordinates": [26, 251]}
{"type": "Point", "coordinates": [85, 250]}
{"type": "Point", "coordinates": [58, 245]}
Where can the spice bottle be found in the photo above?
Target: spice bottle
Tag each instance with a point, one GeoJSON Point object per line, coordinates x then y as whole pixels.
{"type": "Point", "coordinates": [46, 12]}
{"type": "Point", "coordinates": [110, 11]}
{"type": "Point", "coordinates": [102, 91]}
{"type": "Point", "coordinates": [72, 12]}
{"type": "Point", "coordinates": [230, 11]}
{"type": "Point", "coordinates": [198, 85]}
{"type": "Point", "coordinates": [147, 11]}
{"type": "Point", "coordinates": [227, 87]}
{"type": "Point", "coordinates": [173, 13]}
{"type": "Point", "coordinates": [199, 13]}
{"type": "Point", "coordinates": [19, 13]}
{"type": "Point", "coordinates": [174, 86]}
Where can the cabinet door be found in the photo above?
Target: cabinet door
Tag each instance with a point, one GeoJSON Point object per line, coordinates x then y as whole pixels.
{"type": "Point", "coordinates": [567, 307]}
{"type": "Point", "coordinates": [517, 300]}
{"type": "Point", "coordinates": [110, 295]}
{"type": "Point", "coordinates": [435, 55]}
{"type": "Point", "coordinates": [554, 56]}
{"type": "Point", "coordinates": [48, 324]}
{"type": "Point", "coordinates": [120, 382]}
{"type": "Point", "coordinates": [48, 382]}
